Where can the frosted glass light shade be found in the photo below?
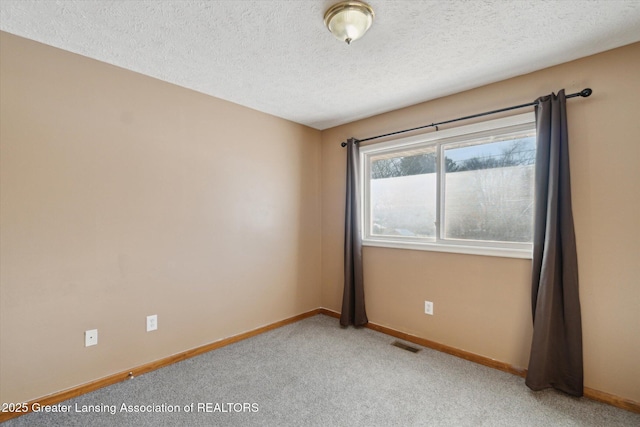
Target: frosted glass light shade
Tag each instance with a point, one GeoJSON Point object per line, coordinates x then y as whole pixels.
{"type": "Point", "coordinates": [349, 20]}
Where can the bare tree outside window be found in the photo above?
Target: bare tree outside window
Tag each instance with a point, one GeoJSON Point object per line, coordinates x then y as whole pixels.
{"type": "Point", "coordinates": [491, 197]}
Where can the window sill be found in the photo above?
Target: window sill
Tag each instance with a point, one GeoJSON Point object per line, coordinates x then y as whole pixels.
{"type": "Point", "coordinates": [452, 248]}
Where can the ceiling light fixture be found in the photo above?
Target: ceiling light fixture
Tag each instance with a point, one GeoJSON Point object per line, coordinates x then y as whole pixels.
{"type": "Point", "coordinates": [349, 20]}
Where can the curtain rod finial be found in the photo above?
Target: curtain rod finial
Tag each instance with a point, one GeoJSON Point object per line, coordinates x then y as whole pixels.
{"type": "Point", "coordinates": [355, 141]}
{"type": "Point", "coordinates": [586, 92]}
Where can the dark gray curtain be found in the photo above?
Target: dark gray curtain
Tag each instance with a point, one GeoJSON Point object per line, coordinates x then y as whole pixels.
{"type": "Point", "coordinates": [353, 312]}
{"type": "Point", "coordinates": [556, 349]}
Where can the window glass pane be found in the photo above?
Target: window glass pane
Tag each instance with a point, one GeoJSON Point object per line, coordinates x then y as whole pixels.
{"type": "Point", "coordinates": [403, 193]}
{"type": "Point", "coordinates": [488, 189]}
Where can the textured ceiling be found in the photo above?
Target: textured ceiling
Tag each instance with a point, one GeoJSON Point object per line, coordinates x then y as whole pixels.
{"type": "Point", "coordinates": [277, 56]}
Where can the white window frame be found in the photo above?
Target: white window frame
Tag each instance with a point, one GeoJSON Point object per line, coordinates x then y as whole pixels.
{"type": "Point", "coordinates": [440, 139]}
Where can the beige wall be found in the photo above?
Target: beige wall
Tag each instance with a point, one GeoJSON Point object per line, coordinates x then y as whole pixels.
{"type": "Point", "coordinates": [124, 196]}
{"type": "Point", "coordinates": [482, 303]}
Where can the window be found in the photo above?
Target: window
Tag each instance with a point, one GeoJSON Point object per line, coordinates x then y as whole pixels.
{"type": "Point", "coordinates": [467, 190]}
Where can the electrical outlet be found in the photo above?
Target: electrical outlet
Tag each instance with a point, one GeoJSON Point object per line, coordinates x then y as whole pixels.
{"type": "Point", "coordinates": [90, 337]}
{"type": "Point", "coordinates": [428, 307]}
{"type": "Point", "coordinates": [152, 322]}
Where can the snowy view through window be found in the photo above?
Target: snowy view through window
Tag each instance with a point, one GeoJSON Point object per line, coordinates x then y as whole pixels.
{"type": "Point", "coordinates": [486, 192]}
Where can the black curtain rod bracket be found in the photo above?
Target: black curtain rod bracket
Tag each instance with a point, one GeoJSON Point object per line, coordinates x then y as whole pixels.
{"type": "Point", "coordinates": [583, 93]}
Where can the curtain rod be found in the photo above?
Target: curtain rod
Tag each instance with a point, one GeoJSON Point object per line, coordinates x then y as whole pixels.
{"type": "Point", "coordinates": [583, 93]}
